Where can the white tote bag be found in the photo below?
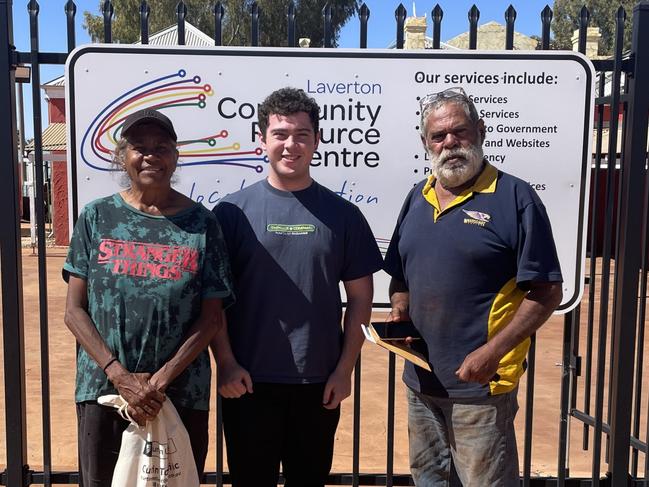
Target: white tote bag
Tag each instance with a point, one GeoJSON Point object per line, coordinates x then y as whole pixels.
{"type": "Point", "coordinates": [156, 455]}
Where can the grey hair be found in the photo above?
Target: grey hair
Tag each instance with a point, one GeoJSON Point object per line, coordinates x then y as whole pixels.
{"type": "Point", "coordinates": [443, 98]}
{"type": "Point", "coordinates": [117, 163]}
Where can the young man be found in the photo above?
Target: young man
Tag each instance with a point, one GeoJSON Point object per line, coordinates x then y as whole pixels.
{"type": "Point", "coordinates": [284, 363]}
{"type": "Point", "coordinates": [473, 263]}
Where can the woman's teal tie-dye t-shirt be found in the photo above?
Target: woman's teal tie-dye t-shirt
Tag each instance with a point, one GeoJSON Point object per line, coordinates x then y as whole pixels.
{"type": "Point", "coordinates": [146, 278]}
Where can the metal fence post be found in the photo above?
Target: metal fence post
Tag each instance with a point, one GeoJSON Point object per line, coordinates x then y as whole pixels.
{"type": "Point", "coordinates": [564, 403]}
{"type": "Point", "coordinates": [327, 13]}
{"type": "Point", "coordinates": [474, 16]}
{"type": "Point", "coordinates": [254, 24]}
{"type": "Point", "coordinates": [400, 15]}
{"type": "Point", "coordinates": [290, 17]}
{"type": "Point", "coordinates": [145, 12]}
{"type": "Point", "coordinates": [11, 262]}
{"type": "Point", "coordinates": [364, 16]}
{"type": "Point", "coordinates": [181, 14]}
{"type": "Point", "coordinates": [634, 178]}
{"type": "Point", "coordinates": [219, 13]}
{"type": "Point", "coordinates": [437, 16]}
{"type": "Point", "coordinates": [510, 18]}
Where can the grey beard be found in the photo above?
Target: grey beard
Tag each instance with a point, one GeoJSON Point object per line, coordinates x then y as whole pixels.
{"type": "Point", "coordinates": [457, 174]}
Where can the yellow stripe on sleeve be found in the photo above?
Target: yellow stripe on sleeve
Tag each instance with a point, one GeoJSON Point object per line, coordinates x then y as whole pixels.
{"type": "Point", "coordinates": [502, 311]}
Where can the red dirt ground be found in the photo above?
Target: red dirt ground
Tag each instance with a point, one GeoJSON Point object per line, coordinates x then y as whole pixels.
{"type": "Point", "coordinates": [373, 397]}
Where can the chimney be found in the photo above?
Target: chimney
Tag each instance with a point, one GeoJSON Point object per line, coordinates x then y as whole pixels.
{"type": "Point", "coordinates": [592, 41]}
{"type": "Point", "coordinates": [415, 30]}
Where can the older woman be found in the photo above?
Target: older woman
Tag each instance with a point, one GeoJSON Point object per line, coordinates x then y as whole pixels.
{"type": "Point", "coordinates": [147, 279]}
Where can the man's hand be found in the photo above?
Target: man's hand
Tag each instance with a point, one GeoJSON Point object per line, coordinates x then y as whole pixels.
{"type": "Point", "coordinates": [398, 314]}
{"type": "Point", "coordinates": [399, 300]}
{"type": "Point", "coordinates": [338, 387]}
{"type": "Point", "coordinates": [479, 366]}
{"type": "Point", "coordinates": [234, 380]}
{"type": "Point", "coordinates": [136, 390]}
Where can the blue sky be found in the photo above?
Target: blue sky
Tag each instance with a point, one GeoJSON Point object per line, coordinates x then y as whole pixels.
{"type": "Point", "coordinates": [381, 27]}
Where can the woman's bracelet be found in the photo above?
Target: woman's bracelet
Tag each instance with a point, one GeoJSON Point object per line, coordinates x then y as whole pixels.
{"type": "Point", "coordinates": [113, 359]}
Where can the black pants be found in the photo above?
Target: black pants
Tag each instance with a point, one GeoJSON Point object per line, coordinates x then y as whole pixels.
{"type": "Point", "coordinates": [284, 423]}
{"type": "Point", "coordinates": [100, 431]}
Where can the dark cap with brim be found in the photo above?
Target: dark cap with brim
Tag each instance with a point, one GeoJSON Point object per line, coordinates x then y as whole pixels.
{"type": "Point", "coordinates": [149, 115]}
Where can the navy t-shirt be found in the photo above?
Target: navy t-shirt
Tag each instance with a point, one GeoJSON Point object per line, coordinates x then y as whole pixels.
{"type": "Point", "coordinates": [467, 270]}
{"type": "Point", "coordinates": [289, 251]}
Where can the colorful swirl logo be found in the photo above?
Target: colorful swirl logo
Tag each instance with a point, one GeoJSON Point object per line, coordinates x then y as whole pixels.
{"type": "Point", "coordinates": [169, 92]}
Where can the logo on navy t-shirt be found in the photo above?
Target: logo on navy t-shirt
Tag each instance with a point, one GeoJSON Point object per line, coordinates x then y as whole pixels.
{"type": "Point", "coordinates": [282, 229]}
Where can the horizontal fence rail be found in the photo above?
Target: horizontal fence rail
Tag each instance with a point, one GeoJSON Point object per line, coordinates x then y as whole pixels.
{"type": "Point", "coordinates": [618, 246]}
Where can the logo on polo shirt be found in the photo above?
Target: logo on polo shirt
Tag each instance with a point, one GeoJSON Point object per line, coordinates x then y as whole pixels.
{"type": "Point", "coordinates": [477, 218]}
{"type": "Point", "coordinates": [299, 229]}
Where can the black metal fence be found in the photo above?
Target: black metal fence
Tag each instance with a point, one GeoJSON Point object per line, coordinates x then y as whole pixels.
{"type": "Point", "coordinates": [618, 321]}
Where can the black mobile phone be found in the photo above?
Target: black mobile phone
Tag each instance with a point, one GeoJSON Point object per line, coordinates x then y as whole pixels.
{"type": "Point", "coordinates": [395, 330]}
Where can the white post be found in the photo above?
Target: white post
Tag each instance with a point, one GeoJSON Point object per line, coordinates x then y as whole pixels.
{"type": "Point", "coordinates": [32, 200]}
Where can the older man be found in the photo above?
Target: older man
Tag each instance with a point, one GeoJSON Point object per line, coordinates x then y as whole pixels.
{"type": "Point", "coordinates": [474, 265]}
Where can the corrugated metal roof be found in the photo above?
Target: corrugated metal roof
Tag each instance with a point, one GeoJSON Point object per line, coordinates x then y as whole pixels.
{"type": "Point", "coordinates": [54, 138]}
{"type": "Point", "coordinates": [60, 81]}
{"type": "Point", "coordinates": [169, 37]}
{"type": "Point", "coordinates": [194, 37]}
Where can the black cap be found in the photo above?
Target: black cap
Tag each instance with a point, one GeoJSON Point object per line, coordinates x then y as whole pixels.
{"type": "Point", "coordinates": [149, 115]}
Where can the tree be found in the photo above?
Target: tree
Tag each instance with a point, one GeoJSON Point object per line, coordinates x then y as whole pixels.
{"type": "Point", "coordinates": [602, 15]}
{"type": "Point", "coordinates": [236, 22]}
{"type": "Point", "coordinates": [539, 43]}
{"type": "Point", "coordinates": [126, 19]}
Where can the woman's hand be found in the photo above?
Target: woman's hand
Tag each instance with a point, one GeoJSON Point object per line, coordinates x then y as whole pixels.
{"type": "Point", "coordinates": [143, 399]}
{"type": "Point", "coordinates": [135, 416]}
{"type": "Point", "coordinates": [160, 381]}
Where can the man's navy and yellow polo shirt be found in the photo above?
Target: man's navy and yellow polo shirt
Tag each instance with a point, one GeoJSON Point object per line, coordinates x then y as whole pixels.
{"type": "Point", "coordinates": [467, 270]}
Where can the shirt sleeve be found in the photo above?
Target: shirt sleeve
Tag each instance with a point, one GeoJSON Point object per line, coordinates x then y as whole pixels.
{"type": "Point", "coordinates": [362, 254]}
{"type": "Point", "coordinates": [393, 264]}
{"type": "Point", "coordinates": [536, 252]}
{"type": "Point", "coordinates": [225, 214]}
{"type": "Point", "coordinates": [78, 259]}
{"type": "Point", "coordinates": [216, 275]}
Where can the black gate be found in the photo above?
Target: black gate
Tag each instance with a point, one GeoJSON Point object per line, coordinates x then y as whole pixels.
{"type": "Point", "coordinates": [608, 329]}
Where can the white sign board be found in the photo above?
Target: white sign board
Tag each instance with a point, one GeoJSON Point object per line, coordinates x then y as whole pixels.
{"type": "Point", "coordinates": [537, 106]}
